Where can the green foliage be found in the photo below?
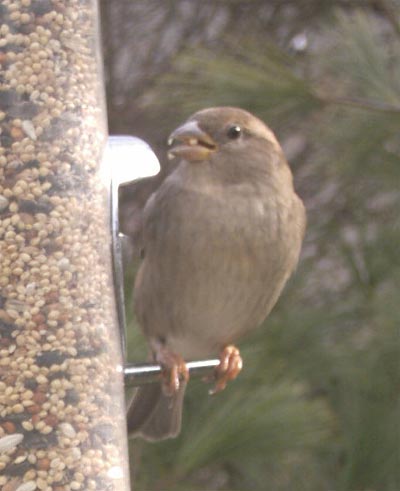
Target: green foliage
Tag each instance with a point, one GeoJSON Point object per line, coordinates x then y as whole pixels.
{"type": "Point", "coordinates": [261, 81]}
{"type": "Point", "coordinates": [367, 57]}
{"type": "Point", "coordinates": [317, 405]}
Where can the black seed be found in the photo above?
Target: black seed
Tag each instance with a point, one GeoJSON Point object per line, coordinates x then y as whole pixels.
{"type": "Point", "coordinates": [71, 397]}
{"type": "Point", "coordinates": [7, 98]}
{"type": "Point", "coordinates": [34, 439]}
{"type": "Point", "coordinates": [51, 247]}
{"type": "Point", "coordinates": [30, 206]}
{"type": "Point", "coordinates": [26, 110]}
{"type": "Point", "coordinates": [51, 358]}
{"type": "Point", "coordinates": [26, 28]}
{"type": "Point", "coordinates": [60, 183]}
{"type": "Point", "coordinates": [41, 7]}
{"type": "Point", "coordinates": [31, 384]}
{"type": "Point", "coordinates": [6, 141]}
{"type": "Point", "coordinates": [59, 374]}
{"type": "Point", "coordinates": [88, 353]}
{"type": "Point", "coordinates": [6, 328]}
{"type": "Point", "coordinates": [13, 48]}
{"type": "Point", "coordinates": [18, 469]}
{"type": "Point", "coordinates": [87, 305]}
{"type": "Point", "coordinates": [32, 164]}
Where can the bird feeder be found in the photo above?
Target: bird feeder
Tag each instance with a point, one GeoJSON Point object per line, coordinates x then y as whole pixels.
{"type": "Point", "coordinates": [62, 423]}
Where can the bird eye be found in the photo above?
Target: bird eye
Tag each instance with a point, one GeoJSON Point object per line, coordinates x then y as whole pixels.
{"type": "Point", "coordinates": [234, 132]}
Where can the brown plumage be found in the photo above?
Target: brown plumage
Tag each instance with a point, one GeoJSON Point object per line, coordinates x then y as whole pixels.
{"type": "Point", "coordinates": [221, 234]}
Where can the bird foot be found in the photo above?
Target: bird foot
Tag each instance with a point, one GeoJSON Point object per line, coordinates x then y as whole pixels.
{"type": "Point", "coordinates": [174, 371]}
{"type": "Point", "coordinates": [231, 364]}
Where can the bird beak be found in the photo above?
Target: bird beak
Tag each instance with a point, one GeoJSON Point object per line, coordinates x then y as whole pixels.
{"type": "Point", "coordinates": [190, 142]}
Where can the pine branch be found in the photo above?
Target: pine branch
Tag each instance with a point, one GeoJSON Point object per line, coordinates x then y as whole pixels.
{"type": "Point", "coordinates": [360, 103]}
{"type": "Point", "coordinates": [389, 11]}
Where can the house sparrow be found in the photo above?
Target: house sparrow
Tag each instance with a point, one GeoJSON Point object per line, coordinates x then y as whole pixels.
{"type": "Point", "coordinates": [221, 236]}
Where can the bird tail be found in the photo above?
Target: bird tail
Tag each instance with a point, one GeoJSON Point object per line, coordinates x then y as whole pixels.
{"type": "Point", "coordinates": [154, 415]}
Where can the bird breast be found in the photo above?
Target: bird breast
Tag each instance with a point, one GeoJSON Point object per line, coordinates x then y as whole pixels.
{"type": "Point", "coordinates": [215, 263]}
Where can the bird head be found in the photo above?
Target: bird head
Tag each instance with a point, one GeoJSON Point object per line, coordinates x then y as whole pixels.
{"type": "Point", "coordinates": [218, 129]}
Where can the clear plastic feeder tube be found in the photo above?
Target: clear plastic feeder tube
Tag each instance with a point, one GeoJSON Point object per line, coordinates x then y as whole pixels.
{"type": "Point", "coordinates": [62, 424]}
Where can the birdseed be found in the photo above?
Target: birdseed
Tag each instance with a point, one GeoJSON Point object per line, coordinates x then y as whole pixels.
{"type": "Point", "coordinates": [61, 392]}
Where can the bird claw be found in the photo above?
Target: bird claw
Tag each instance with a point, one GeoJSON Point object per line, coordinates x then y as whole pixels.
{"type": "Point", "coordinates": [231, 364]}
{"type": "Point", "coordinates": [174, 371]}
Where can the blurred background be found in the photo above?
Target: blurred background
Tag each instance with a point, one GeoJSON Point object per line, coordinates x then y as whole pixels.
{"type": "Point", "coordinates": [317, 405]}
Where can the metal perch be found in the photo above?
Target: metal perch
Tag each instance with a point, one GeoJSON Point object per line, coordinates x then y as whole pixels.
{"type": "Point", "coordinates": [147, 373]}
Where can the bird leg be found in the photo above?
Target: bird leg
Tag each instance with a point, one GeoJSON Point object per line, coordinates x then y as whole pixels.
{"type": "Point", "coordinates": [174, 370]}
{"type": "Point", "coordinates": [230, 365]}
